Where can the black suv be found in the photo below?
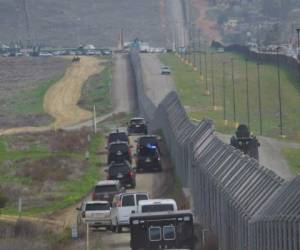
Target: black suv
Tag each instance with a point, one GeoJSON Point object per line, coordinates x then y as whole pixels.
{"type": "Point", "coordinates": [123, 172]}
{"type": "Point", "coordinates": [147, 154]}
{"type": "Point", "coordinates": [137, 125]}
{"type": "Point", "coordinates": [117, 137]}
{"type": "Point", "coordinates": [119, 152]}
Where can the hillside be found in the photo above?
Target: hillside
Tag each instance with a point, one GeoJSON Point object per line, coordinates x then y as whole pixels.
{"type": "Point", "coordinates": [67, 23]}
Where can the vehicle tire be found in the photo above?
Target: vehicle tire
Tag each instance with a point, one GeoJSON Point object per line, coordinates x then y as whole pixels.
{"type": "Point", "coordinates": [118, 229]}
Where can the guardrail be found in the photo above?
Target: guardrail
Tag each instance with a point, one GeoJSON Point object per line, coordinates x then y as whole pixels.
{"type": "Point", "coordinates": [245, 204]}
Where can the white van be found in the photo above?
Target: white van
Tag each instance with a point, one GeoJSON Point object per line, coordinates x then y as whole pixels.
{"type": "Point", "coordinates": [157, 205]}
{"type": "Point", "coordinates": [123, 206]}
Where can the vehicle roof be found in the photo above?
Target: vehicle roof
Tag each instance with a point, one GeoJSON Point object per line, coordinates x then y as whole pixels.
{"type": "Point", "coordinates": [96, 202]}
{"type": "Point", "coordinates": [146, 193]}
{"type": "Point", "coordinates": [157, 201]}
{"type": "Point", "coordinates": [107, 182]}
{"type": "Point", "coordinates": [166, 214]}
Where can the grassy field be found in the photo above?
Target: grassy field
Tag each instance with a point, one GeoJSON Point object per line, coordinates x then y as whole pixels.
{"type": "Point", "coordinates": [96, 91]}
{"type": "Point", "coordinates": [293, 158]}
{"type": "Point", "coordinates": [61, 189]}
{"type": "Point", "coordinates": [191, 86]}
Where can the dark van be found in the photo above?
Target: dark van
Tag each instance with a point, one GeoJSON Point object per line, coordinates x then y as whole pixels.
{"type": "Point", "coordinates": [165, 230]}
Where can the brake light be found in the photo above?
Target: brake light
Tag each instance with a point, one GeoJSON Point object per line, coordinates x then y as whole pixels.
{"type": "Point", "coordinates": [94, 196]}
{"type": "Point", "coordinates": [130, 174]}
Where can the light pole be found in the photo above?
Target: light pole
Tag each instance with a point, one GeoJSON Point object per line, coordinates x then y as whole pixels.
{"type": "Point", "coordinates": [259, 98]}
{"type": "Point", "coordinates": [247, 92]}
{"type": "Point", "coordinates": [298, 39]}
{"type": "Point", "coordinates": [224, 95]}
{"type": "Point", "coordinates": [279, 92]}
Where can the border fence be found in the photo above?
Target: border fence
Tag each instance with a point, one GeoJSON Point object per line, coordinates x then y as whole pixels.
{"type": "Point", "coordinates": [246, 205]}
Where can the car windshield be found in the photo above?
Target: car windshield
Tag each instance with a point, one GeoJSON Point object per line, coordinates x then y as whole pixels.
{"type": "Point", "coordinates": [115, 169]}
{"type": "Point", "coordinates": [118, 147]}
{"type": "Point", "coordinates": [148, 140]}
{"type": "Point", "coordinates": [117, 137]}
{"type": "Point", "coordinates": [105, 188]}
{"type": "Point", "coordinates": [157, 208]}
{"type": "Point", "coordinates": [137, 121]}
{"type": "Point", "coordinates": [147, 151]}
{"type": "Point", "coordinates": [97, 206]}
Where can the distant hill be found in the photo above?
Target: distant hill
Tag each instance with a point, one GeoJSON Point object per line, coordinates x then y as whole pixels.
{"type": "Point", "coordinates": [69, 22]}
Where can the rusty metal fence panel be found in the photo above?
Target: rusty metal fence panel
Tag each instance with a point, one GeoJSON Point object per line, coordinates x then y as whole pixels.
{"type": "Point", "coordinates": [248, 206]}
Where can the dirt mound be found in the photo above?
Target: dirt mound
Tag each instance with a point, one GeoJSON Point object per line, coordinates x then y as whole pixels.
{"type": "Point", "coordinates": [53, 168]}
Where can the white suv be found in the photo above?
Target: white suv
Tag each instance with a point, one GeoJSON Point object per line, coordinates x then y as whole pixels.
{"type": "Point", "coordinates": [123, 206]}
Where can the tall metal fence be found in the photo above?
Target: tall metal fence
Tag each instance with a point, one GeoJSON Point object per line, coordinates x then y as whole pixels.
{"type": "Point", "coordinates": [245, 204]}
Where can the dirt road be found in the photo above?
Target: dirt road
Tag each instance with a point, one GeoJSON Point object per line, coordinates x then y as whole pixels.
{"type": "Point", "coordinates": [61, 99]}
{"type": "Point", "coordinates": [123, 89]}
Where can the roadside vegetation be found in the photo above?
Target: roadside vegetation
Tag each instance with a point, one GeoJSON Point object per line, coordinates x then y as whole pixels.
{"type": "Point", "coordinates": [191, 86]}
{"type": "Point", "coordinates": [96, 91]}
{"type": "Point", "coordinates": [293, 158]}
{"type": "Point", "coordinates": [49, 171]}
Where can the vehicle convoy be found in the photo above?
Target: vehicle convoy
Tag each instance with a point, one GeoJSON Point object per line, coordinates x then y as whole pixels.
{"type": "Point", "coordinates": [117, 136]}
{"type": "Point", "coordinates": [119, 152]}
{"type": "Point", "coordinates": [123, 206]}
{"type": "Point", "coordinates": [95, 214]}
{"type": "Point", "coordinates": [165, 230]}
{"type": "Point", "coordinates": [122, 171]}
{"type": "Point", "coordinates": [106, 190]}
{"type": "Point", "coordinates": [147, 154]}
{"type": "Point", "coordinates": [245, 141]}
{"type": "Point", "coordinates": [137, 125]}
{"type": "Point", "coordinates": [157, 205]}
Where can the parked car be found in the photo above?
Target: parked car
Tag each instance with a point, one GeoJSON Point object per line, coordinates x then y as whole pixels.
{"type": "Point", "coordinates": [157, 205]}
{"type": "Point", "coordinates": [165, 70]}
{"type": "Point", "coordinates": [166, 230]}
{"type": "Point", "coordinates": [117, 136]}
{"type": "Point", "coordinates": [147, 156]}
{"type": "Point", "coordinates": [95, 214]}
{"type": "Point", "coordinates": [122, 171]}
{"type": "Point", "coordinates": [106, 190]}
{"type": "Point", "coordinates": [123, 206]}
{"type": "Point", "coordinates": [119, 152]}
{"type": "Point", "coordinates": [137, 125]}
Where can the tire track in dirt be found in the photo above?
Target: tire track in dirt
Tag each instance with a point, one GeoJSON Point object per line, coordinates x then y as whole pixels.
{"type": "Point", "coordinates": [61, 99]}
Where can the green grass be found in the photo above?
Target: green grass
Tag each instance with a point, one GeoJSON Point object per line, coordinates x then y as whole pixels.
{"type": "Point", "coordinates": [96, 92]}
{"type": "Point", "coordinates": [191, 86]}
{"type": "Point", "coordinates": [293, 158]}
{"type": "Point", "coordinates": [73, 190]}
{"type": "Point", "coordinates": [34, 98]}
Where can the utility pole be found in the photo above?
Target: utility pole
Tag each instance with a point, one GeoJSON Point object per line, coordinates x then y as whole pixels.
{"type": "Point", "coordinates": [259, 98]}
{"type": "Point", "coordinates": [206, 80]}
{"type": "Point", "coordinates": [247, 93]}
{"type": "Point", "coordinates": [212, 80]}
{"type": "Point", "coordinates": [279, 93]}
{"type": "Point", "coordinates": [233, 90]}
{"type": "Point", "coordinates": [94, 120]}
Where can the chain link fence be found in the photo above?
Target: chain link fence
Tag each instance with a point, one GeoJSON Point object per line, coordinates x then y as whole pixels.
{"type": "Point", "coordinates": [248, 206]}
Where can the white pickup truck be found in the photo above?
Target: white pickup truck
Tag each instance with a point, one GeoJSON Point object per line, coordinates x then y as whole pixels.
{"type": "Point", "coordinates": [95, 214]}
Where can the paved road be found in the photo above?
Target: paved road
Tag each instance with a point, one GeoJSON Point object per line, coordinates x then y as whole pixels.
{"type": "Point", "coordinates": [123, 88]}
{"type": "Point", "coordinates": [157, 86]}
{"type": "Point", "coordinates": [270, 154]}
